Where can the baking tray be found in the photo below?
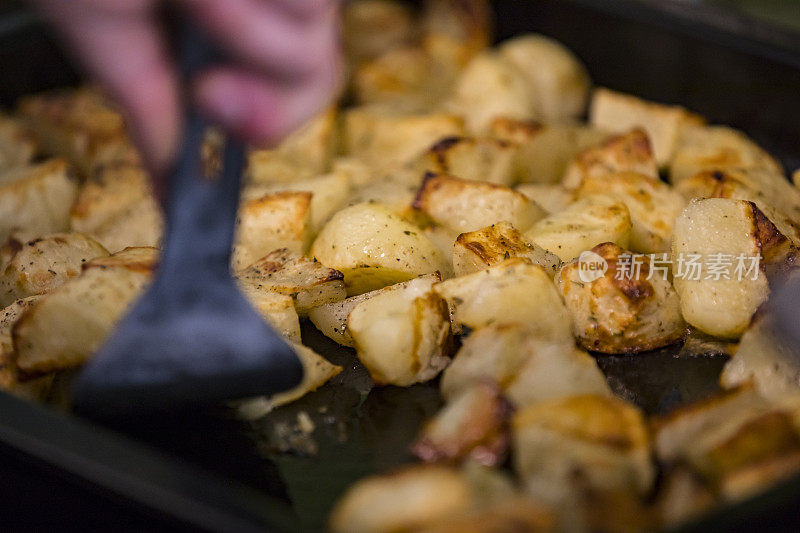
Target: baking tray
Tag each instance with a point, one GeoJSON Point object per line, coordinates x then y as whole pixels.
{"type": "Point", "coordinates": [206, 470]}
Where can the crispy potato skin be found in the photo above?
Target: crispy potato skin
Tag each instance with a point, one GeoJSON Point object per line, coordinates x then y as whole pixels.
{"type": "Point", "coordinates": [464, 205]}
{"type": "Point", "coordinates": [373, 247]}
{"type": "Point", "coordinates": [626, 152]}
{"type": "Point", "coordinates": [471, 158]}
{"type": "Point", "coordinates": [490, 246]}
{"type": "Point", "coordinates": [721, 307]}
{"type": "Point", "coordinates": [614, 314]}
{"type": "Point", "coordinates": [40, 265]}
{"type": "Point", "coordinates": [17, 145]}
{"type": "Point", "coordinates": [652, 204]}
{"type": "Point", "coordinates": [618, 112]}
{"type": "Point", "coordinates": [307, 282]}
{"type": "Point", "coordinates": [34, 389]}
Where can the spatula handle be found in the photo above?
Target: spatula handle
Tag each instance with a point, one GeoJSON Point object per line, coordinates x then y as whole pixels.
{"type": "Point", "coordinates": [201, 209]}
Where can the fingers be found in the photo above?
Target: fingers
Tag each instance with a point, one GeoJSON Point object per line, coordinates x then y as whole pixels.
{"type": "Point", "coordinates": [292, 64]}
{"type": "Point", "coordinates": [119, 43]}
{"type": "Point", "coordinates": [257, 108]}
{"type": "Point", "coordinates": [273, 37]}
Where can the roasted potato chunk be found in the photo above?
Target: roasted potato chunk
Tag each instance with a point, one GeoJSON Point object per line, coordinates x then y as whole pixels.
{"type": "Point", "coordinates": [331, 319]}
{"type": "Point", "coordinates": [453, 32]}
{"type": "Point", "coordinates": [618, 112]}
{"type": "Point", "coordinates": [474, 424]}
{"type": "Point", "coordinates": [716, 148]}
{"type": "Point", "coordinates": [40, 265]}
{"type": "Point", "coordinates": [586, 223]}
{"type": "Point", "coordinates": [764, 359]}
{"type": "Point", "coordinates": [329, 193]}
{"type": "Point", "coordinates": [387, 139]}
{"type": "Point", "coordinates": [490, 246]}
{"type": "Point", "coordinates": [544, 152]}
{"type": "Point", "coordinates": [309, 283]}
{"type": "Point", "coordinates": [16, 144]}
{"type": "Point", "coordinates": [403, 77]}
{"type": "Point", "coordinates": [491, 86]}
{"type": "Point", "coordinates": [373, 247]}
{"type": "Point", "coordinates": [626, 152]}
{"type": "Point", "coordinates": [117, 207]}
{"type": "Point", "coordinates": [463, 205]}
{"type": "Point", "coordinates": [79, 125]}
{"type": "Point", "coordinates": [470, 158]}
{"type": "Point", "coordinates": [391, 192]}
{"type": "Point", "coordinates": [65, 327]}
{"type": "Point", "coordinates": [405, 500]}
{"type": "Point", "coordinates": [34, 389]}
{"type": "Point", "coordinates": [631, 307]}
{"type": "Point", "coordinates": [316, 372]}
{"type": "Point", "coordinates": [516, 289]}
{"type": "Point", "coordinates": [553, 198]}
{"type": "Point", "coordinates": [402, 336]}
{"type": "Point", "coordinates": [709, 235]}
{"type": "Point", "coordinates": [277, 309]}
{"type": "Point", "coordinates": [556, 78]}
{"type": "Point", "coordinates": [36, 199]}
{"type": "Point", "coordinates": [600, 440]}
{"type": "Point", "coordinates": [652, 204]}
{"type": "Point", "coordinates": [273, 221]}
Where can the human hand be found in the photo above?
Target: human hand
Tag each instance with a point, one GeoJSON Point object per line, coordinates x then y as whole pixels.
{"type": "Point", "coordinates": [285, 64]}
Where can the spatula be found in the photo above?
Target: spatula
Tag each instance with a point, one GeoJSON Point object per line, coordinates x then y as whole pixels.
{"type": "Point", "coordinates": [192, 338]}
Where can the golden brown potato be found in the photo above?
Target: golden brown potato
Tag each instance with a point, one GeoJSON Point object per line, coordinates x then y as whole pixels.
{"type": "Point", "coordinates": [770, 191]}
{"type": "Point", "coordinates": [117, 207]}
{"type": "Point", "coordinates": [403, 77]}
{"type": "Point", "coordinates": [490, 246]}
{"type": "Point", "coordinates": [329, 193]}
{"type": "Point", "coordinates": [556, 78]}
{"type": "Point", "coordinates": [331, 319]}
{"type": "Point", "coordinates": [36, 199]}
{"type": "Point", "coordinates": [474, 424]}
{"type": "Point", "coordinates": [17, 146]}
{"type": "Point", "coordinates": [34, 389]}
{"type": "Point", "coordinates": [718, 246]}
{"type": "Point", "coordinates": [513, 513]}
{"type": "Point", "coordinates": [631, 307]}
{"type": "Point", "coordinates": [619, 112]}
{"type": "Point", "coordinates": [716, 148]}
{"type": "Point", "coordinates": [386, 139]}
{"type": "Point", "coordinates": [463, 205]}
{"type": "Point", "coordinates": [373, 247]}
{"type": "Point", "coordinates": [372, 27]}
{"type": "Point", "coordinates": [453, 32]}
{"type": "Point", "coordinates": [402, 336]}
{"type": "Point", "coordinates": [264, 224]}
{"type": "Point", "coordinates": [516, 289]}
{"type": "Point", "coordinates": [316, 372]}
{"type": "Point", "coordinates": [626, 152]}
{"type": "Point", "coordinates": [586, 223]}
{"type": "Point", "coordinates": [309, 283]}
{"type": "Point", "coordinates": [405, 500]}
{"type": "Point", "coordinates": [79, 125]}
{"type": "Point", "coordinates": [67, 325]}
{"type": "Point", "coordinates": [471, 158]}
{"type": "Point", "coordinates": [652, 204]}
{"type": "Point", "coordinates": [763, 359]}
{"type": "Point", "coordinates": [599, 440]}
{"type": "Point", "coordinates": [39, 266]}
{"type": "Point", "coordinates": [553, 198]}
{"type": "Point", "coordinates": [391, 192]}
{"type": "Point", "coordinates": [491, 86]}
{"type": "Point", "coordinates": [544, 152]}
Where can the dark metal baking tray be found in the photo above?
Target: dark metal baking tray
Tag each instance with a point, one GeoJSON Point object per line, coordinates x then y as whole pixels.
{"type": "Point", "coordinates": [206, 470]}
